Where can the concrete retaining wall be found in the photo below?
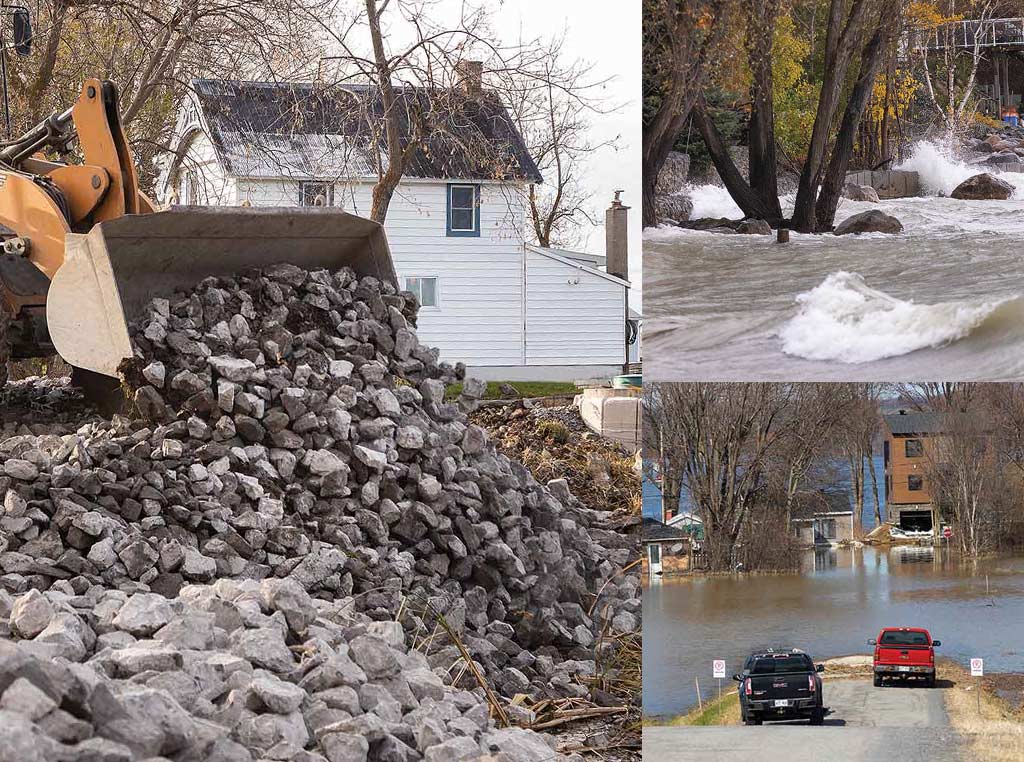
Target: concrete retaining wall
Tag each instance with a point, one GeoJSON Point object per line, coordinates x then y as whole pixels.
{"type": "Point", "coordinates": [612, 413]}
{"type": "Point", "coordinates": [892, 183]}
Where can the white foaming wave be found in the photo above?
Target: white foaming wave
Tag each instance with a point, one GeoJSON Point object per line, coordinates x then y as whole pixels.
{"type": "Point", "coordinates": [940, 171]}
{"type": "Point", "coordinates": [713, 201]}
{"type": "Point", "coordinates": [845, 320]}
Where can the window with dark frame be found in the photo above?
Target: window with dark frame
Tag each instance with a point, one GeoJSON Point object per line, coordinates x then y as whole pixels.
{"type": "Point", "coordinates": [310, 191]}
{"type": "Point", "coordinates": [915, 483]}
{"type": "Point", "coordinates": [425, 289]}
{"type": "Point", "coordinates": [914, 448]}
{"type": "Point", "coordinates": [463, 210]}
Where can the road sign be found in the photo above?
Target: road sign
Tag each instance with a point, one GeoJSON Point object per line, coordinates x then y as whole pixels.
{"type": "Point", "coordinates": [947, 532]}
{"type": "Point", "coordinates": [977, 667]}
{"type": "Point", "coordinates": [718, 668]}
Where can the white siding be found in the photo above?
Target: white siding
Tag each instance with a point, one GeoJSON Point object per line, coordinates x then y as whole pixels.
{"type": "Point", "coordinates": [573, 317]}
{"type": "Point", "coordinates": [479, 319]}
{"type": "Point", "coordinates": [213, 186]}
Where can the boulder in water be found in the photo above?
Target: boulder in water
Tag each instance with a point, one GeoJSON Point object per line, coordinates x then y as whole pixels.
{"type": "Point", "coordinates": [980, 146]}
{"type": "Point", "coordinates": [981, 187]}
{"type": "Point", "coordinates": [754, 227]}
{"type": "Point", "coordinates": [1000, 159]}
{"type": "Point", "coordinates": [856, 192]}
{"type": "Point", "coordinates": [673, 208]}
{"type": "Point", "coordinates": [873, 221]}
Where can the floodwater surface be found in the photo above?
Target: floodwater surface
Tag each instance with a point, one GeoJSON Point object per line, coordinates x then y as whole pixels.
{"type": "Point", "coordinates": [944, 300]}
{"type": "Point", "coordinates": [842, 598]}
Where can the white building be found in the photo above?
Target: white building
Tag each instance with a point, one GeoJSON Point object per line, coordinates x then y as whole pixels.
{"type": "Point", "coordinates": [456, 224]}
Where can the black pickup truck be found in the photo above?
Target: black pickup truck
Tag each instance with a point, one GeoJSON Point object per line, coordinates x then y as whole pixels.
{"type": "Point", "coordinates": [780, 684]}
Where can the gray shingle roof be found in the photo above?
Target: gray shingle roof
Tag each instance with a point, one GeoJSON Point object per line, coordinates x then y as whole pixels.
{"type": "Point", "coordinates": [655, 531]}
{"type": "Point", "coordinates": [808, 504]}
{"type": "Point", "coordinates": [911, 422]}
{"type": "Point", "coordinates": [267, 129]}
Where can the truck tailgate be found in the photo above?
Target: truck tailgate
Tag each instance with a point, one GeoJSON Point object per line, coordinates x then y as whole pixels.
{"type": "Point", "coordinates": [912, 655]}
{"type": "Point", "coordinates": [779, 686]}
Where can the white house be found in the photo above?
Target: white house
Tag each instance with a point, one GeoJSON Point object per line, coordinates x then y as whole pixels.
{"type": "Point", "coordinates": [456, 224]}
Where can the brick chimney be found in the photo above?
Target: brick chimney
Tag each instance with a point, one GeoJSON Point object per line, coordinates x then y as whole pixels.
{"type": "Point", "coordinates": [471, 77]}
{"type": "Point", "coordinates": [615, 229]}
{"type": "Point", "coordinates": [617, 257]}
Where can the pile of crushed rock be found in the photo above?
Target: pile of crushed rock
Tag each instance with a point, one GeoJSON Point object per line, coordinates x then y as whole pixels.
{"type": "Point", "coordinates": [289, 547]}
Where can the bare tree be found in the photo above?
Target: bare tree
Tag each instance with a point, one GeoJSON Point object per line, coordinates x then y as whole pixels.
{"type": "Point", "coordinates": [812, 414]}
{"type": "Point", "coordinates": [963, 475]}
{"type": "Point", "coordinates": [758, 198]}
{"type": "Point", "coordinates": [660, 432]}
{"type": "Point", "coordinates": [152, 49]}
{"type": "Point", "coordinates": [681, 37]}
{"type": "Point", "coordinates": [553, 107]}
{"type": "Point", "coordinates": [722, 436]}
{"type": "Point", "coordinates": [945, 47]}
{"type": "Point", "coordinates": [433, 93]}
{"type": "Point", "coordinates": [856, 435]}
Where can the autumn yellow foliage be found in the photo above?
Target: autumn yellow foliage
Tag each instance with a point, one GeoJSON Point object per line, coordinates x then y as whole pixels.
{"type": "Point", "coordinates": [927, 16]}
{"type": "Point", "coordinates": [903, 86]}
{"type": "Point", "coordinates": [795, 98]}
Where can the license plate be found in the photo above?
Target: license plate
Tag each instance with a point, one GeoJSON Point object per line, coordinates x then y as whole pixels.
{"type": "Point", "coordinates": [781, 702]}
{"type": "Point", "coordinates": [904, 669]}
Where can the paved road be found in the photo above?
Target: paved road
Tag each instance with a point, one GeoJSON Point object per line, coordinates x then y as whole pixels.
{"type": "Point", "coordinates": [865, 724]}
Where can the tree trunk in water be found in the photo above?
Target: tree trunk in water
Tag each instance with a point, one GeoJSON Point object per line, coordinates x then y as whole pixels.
{"type": "Point", "coordinates": [761, 135]}
{"type": "Point", "coordinates": [835, 175]}
{"type": "Point", "coordinates": [658, 142]}
{"type": "Point", "coordinates": [874, 489]}
{"type": "Point", "coordinates": [749, 202]}
{"type": "Point", "coordinates": [838, 51]}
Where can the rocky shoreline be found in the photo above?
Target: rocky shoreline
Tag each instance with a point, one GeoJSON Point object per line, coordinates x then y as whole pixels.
{"type": "Point", "coordinates": [989, 150]}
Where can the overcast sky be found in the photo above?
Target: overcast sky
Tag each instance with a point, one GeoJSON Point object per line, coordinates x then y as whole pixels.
{"type": "Point", "coordinates": [607, 36]}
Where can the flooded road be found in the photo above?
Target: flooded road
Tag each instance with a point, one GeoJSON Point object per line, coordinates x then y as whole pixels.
{"type": "Point", "coordinates": [831, 609]}
{"type": "Point", "coordinates": [944, 300]}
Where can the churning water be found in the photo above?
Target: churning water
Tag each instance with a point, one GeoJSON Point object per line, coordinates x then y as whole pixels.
{"type": "Point", "coordinates": [944, 300]}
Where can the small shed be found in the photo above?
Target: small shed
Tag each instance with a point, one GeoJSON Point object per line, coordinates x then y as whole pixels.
{"type": "Point", "coordinates": [822, 517]}
{"type": "Point", "coordinates": [667, 550]}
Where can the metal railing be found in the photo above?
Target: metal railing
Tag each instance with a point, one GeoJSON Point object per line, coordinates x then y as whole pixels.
{"type": "Point", "coordinates": [987, 33]}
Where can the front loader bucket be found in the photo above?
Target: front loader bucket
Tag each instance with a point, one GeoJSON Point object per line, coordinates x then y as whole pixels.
{"type": "Point", "coordinates": [112, 272]}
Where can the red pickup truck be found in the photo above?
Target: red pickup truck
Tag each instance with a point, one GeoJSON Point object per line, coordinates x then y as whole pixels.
{"type": "Point", "coordinates": [904, 652]}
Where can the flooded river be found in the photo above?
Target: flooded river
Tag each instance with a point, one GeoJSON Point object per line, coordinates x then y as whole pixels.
{"type": "Point", "coordinates": [944, 300]}
{"type": "Point", "coordinates": [840, 600]}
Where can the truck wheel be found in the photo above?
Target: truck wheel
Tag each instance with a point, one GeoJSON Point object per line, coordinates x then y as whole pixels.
{"type": "Point", "coordinates": [751, 720]}
{"type": "Point", "coordinates": [878, 681]}
{"type": "Point", "coordinates": [929, 682]}
{"type": "Point", "coordinates": [818, 716]}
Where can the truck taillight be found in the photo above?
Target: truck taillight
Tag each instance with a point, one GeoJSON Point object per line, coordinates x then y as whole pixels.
{"type": "Point", "coordinates": [876, 654]}
{"type": "Point", "coordinates": [811, 685]}
{"type": "Point", "coordinates": [746, 686]}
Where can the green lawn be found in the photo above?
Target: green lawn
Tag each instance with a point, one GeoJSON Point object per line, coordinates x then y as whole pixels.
{"type": "Point", "coordinates": [525, 388]}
